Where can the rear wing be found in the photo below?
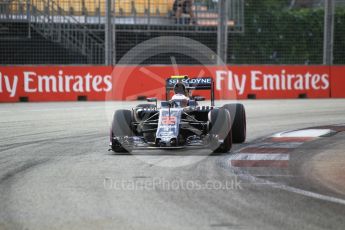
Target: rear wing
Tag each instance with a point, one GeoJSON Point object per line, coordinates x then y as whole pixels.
{"type": "Point", "coordinates": [205, 83]}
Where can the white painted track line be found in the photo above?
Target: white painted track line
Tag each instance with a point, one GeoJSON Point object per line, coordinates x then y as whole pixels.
{"type": "Point", "coordinates": [304, 133]}
{"type": "Point", "coordinates": [260, 157]}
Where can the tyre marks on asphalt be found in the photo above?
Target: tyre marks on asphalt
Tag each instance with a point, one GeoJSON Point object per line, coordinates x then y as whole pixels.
{"type": "Point", "coordinates": [6, 147]}
{"type": "Point", "coordinates": [22, 168]}
{"type": "Point", "coordinates": [336, 128]}
{"type": "Point", "coordinates": [22, 162]}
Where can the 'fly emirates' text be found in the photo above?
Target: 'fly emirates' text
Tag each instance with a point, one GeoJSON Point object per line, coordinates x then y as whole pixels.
{"type": "Point", "coordinates": [224, 80]}
{"type": "Point", "coordinates": [34, 83]}
{"type": "Point", "coordinates": [260, 81]}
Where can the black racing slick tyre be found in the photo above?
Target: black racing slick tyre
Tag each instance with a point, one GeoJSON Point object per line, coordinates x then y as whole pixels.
{"type": "Point", "coordinates": [239, 122]}
{"type": "Point", "coordinates": [220, 125]}
{"type": "Point", "coordinates": [121, 127]}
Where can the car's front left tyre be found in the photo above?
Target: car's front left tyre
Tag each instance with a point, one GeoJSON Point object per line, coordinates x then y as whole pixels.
{"type": "Point", "coordinates": [121, 127]}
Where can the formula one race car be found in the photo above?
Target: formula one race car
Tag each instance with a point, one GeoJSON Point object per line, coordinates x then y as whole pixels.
{"type": "Point", "coordinates": [180, 122]}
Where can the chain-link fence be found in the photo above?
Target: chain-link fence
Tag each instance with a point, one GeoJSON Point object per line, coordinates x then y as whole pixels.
{"type": "Point", "coordinates": [259, 32]}
{"type": "Point", "coordinates": [287, 32]}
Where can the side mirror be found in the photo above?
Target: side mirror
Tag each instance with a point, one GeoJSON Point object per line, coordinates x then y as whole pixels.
{"type": "Point", "coordinates": [199, 98]}
{"type": "Point", "coordinates": [152, 99]}
{"type": "Point", "coordinates": [192, 103]}
{"type": "Point", "coordinates": [165, 104]}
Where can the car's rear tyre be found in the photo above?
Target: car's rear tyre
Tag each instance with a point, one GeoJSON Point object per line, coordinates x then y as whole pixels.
{"type": "Point", "coordinates": [239, 122]}
{"type": "Point", "coordinates": [121, 127]}
{"type": "Point", "coordinates": [220, 125]}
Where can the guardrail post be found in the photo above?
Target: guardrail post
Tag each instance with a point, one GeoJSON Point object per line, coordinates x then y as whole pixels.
{"type": "Point", "coordinates": [48, 9]}
{"type": "Point", "coordinates": [149, 14]}
{"type": "Point", "coordinates": [28, 17]}
{"type": "Point", "coordinates": [84, 41]}
{"type": "Point", "coordinates": [108, 34]}
{"type": "Point", "coordinates": [328, 33]}
{"type": "Point", "coordinates": [60, 23]}
{"type": "Point", "coordinates": [99, 14]}
{"type": "Point", "coordinates": [113, 26]}
{"type": "Point", "coordinates": [222, 41]}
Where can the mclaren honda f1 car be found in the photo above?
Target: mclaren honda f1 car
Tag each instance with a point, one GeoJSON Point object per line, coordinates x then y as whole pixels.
{"type": "Point", "coordinates": [180, 122]}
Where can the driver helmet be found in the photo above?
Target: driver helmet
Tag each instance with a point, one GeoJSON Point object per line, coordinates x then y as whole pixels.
{"type": "Point", "coordinates": [180, 88]}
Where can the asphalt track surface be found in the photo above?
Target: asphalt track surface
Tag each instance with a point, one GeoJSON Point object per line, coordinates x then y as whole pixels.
{"type": "Point", "coordinates": [56, 173]}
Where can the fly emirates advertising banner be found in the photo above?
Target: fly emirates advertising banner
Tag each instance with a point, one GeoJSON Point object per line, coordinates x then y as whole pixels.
{"type": "Point", "coordinates": [68, 83]}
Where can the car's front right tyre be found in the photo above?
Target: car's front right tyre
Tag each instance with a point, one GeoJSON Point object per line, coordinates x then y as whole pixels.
{"type": "Point", "coordinates": [220, 126]}
{"type": "Point", "coordinates": [239, 122]}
